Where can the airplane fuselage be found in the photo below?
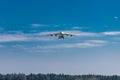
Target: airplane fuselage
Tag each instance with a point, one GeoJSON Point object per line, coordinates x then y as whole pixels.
{"type": "Point", "coordinates": [61, 35]}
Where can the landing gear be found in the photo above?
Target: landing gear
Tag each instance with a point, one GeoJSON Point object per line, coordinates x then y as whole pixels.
{"type": "Point", "coordinates": [61, 37]}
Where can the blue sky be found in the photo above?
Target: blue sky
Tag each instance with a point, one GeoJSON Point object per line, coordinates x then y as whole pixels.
{"type": "Point", "coordinates": [24, 49]}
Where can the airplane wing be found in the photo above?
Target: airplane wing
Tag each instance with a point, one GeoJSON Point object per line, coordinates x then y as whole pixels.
{"type": "Point", "coordinates": [69, 35]}
{"type": "Point", "coordinates": [54, 34]}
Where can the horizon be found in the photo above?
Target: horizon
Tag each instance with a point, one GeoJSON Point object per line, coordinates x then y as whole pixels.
{"type": "Point", "coordinates": [94, 51]}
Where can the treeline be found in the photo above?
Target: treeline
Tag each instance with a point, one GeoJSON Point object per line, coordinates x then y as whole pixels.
{"type": "Point", "coordinates": [56, 77]}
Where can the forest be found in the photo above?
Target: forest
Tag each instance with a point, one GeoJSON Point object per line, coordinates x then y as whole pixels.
{"type": "Point", "coordinates": [31, 76]}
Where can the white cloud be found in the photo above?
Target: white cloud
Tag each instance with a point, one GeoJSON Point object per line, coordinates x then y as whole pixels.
{"type": "Point", "coordinates": [39, 25]}
{"type": "Point", "coordinates": [55, 25]}
{"type": "Point", "coordinates": [22, 37]}
{"type": "Point", "coordinates": [14, 32]}
{"type": "Point", "coordinates": [97, 41]}
{"type": "Point", "coordinates": [19, 36]}
{"type": "Point", "coordinates": [38, 38]}
{"type": "Point", "coordinates": [83, 34]}
{"type": "Point", "coordinates": [112, 33]}
{"type": "Point", "coordinates": [89, 43]}
{"type": "Point", "coordinates": [10, 37]}
{"type": "Point", "coordinates": [76, 28]}
{"type": "Point", "coordinates": [116, 17]}
{"type": "Point", "coordinates": [32, 49]}
{"type": "Point", "coordinates": [51, 48]}
{"type": "Point", "coordinates": [46, 25]}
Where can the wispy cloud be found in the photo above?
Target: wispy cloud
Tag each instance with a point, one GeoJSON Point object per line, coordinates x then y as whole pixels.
{"type": "Point", "coordinates": [112, 33]}
{"type": "Point", "coordinates": [34, 49]}
{"type": "Point", "coordinates": [14, 32]}
{"type": "Point", "coordinates": [116, 17]}
{"type": "Point", "coordinates": [14, 36]}
{"type": "Point", "coordinates": [52, 48]}
{"type": "Point", "coordinates": [39, 25]}
{"type": "Point", "coordinates": [89, 43]}
{"type": "Point", "coordinates": [47, 25]}
{"type": "Point", "coordinates": [9, 38]}
{"type": "Point", "coordinates": [19, 36]}
{"type": "Point", "coordinates": [82, 34]}
{"type": "Point", "coordinates": [22, 37]}
{"type": "Point", "coordinates": [77, 28]}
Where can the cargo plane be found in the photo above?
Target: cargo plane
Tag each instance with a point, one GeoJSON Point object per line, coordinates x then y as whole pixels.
{"type": "Point", "coordinates": [61, 35]}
